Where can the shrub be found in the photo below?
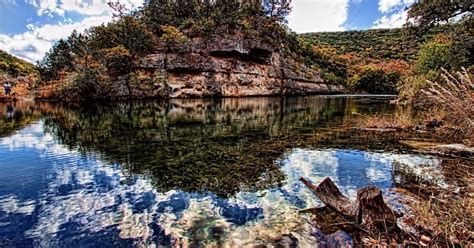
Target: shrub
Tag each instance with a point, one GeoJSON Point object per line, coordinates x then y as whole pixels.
{"type": "Point", "coordinates": [84, 84]}
{"type": "Point", "coordinates": [334, 67]}
{"type": "Point", "coordinates": [409, 87]}
{"type": "Point", "coordinates": [436, 54]}
{"type": "Point", "coordinates": [375, 80]}
{"type": "Point", "coordinates": [172, 36]}
{"type": "Point", "coordinates": [117, 60]}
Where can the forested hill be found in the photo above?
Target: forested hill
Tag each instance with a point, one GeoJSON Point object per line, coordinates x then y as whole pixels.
{"type": "Point", "coordinates": [381, 44]}
{"type": "Point", "coordinates": [14, 66]}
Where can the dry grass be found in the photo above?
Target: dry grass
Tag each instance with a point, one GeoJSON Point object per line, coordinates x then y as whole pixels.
{"type": "Point", "coordinates": [449, 220]}
{"type": "Point", "coordinates": [444, 216]}
{"type": "Point", "coordinates": [449, 108]}
{"type": "Point", "coordinates": [454, 98]}
{"type": "Point", "coordinates": [396, 121]}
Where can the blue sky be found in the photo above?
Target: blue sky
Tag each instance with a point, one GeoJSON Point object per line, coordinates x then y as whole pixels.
{"type": "Point", "coordinates": [28, 28]}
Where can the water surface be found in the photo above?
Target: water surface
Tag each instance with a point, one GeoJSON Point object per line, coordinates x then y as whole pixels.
{"type": "Point", "coordinates": [195, 172]}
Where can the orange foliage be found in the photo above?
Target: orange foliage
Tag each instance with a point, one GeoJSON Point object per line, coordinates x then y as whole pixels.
{"type": "Point", "coordinates": [399, 66]}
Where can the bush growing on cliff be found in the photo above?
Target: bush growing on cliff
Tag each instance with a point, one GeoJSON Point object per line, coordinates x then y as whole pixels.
{"type": "Point", "coordinates": [83, 49]}
{"type": "Point", "coordinates": [224, 15]}
{"type": "Point", "coordinates": [172, 37]}
{"type": "Point", "coordinates": [172, 22]}
{"type": "Point", "coordinates": [117, 60]}
{"type": "Point", "coordinates": [85, 84]}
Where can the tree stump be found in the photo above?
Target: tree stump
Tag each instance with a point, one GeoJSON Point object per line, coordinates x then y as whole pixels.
{"type": "Point", "coordinates": [370, 211]}
{"type": "Point", "coordinates": [373, 213]}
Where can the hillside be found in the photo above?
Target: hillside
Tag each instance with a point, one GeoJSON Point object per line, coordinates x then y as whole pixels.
{"type": "Point", "coordinates": [186, 49]}
{"type": "Point", "coordinates": [381, 44]}
{"type": "Point", "coordinates": [21, 74]}
{"type": "Point", "coordinates": [14, 66]}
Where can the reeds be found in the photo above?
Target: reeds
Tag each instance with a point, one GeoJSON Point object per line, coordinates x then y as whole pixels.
{"type": "Point", "coordinates": [455, 97]}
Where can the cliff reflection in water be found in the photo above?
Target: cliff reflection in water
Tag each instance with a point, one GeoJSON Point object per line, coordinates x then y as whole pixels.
{"type": "Point", "coordinates": [220, 146]}
{"type": "Point", "coordinates": [190, 172]}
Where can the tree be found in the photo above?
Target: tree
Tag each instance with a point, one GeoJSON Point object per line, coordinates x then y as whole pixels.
{"type": "Point", "coordinates": [427, 14]}
{"type": "Point", "coordinates": [127, 31]}
{"type": "Point", "coordinates": [277, 9]}
{"type": "Point", "coordinates": [134, 35]}
{"type": "Point", "coordinates": [117, 60]}
{"type": "Point", "coordinates": [375, 80]}
{"type": "Point", "coordinates": [156, 13]}
{"type": "Point", "coordinates": [172, 37]}
{"type": "Point", "coordinates": [57, 59]}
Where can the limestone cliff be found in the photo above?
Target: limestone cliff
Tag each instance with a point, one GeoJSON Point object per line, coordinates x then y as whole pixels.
{"type": "Point", "coordinates": [226, 65]}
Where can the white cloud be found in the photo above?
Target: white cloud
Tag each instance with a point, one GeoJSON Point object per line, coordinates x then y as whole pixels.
{"type": "Point", "coordinates": [318, 15]}
{"type": "Point", "coordinates": [46, 7]}
{"type": "Point", "coordinates": [386, 6]}
{"type": "Point", "coordinates": [56, 32]}
{"type": "Point", "coordinates": [83, 7]}
{"type": "Point", "coordinates": [395, 13]}
{"type": "Point", "coordinates": [33, 44]}
{"type": "Point", "coordinates": [26, 46]}
{"type": "Point", "coordinates": [395, 20]}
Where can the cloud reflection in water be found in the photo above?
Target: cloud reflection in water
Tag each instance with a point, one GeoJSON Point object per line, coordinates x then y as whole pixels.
{"type": "Point", "coordinates": [84, 196]}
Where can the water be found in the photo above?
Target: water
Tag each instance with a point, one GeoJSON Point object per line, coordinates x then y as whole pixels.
{"type": "Point", "coordinates": [220, 172]}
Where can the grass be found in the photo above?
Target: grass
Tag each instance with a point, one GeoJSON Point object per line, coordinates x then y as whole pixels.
{"type": "Point", "coordinates": [449, 221]}
{"type": "Point", "coordinates": [396, 121]}
{"type": "Point", "coordinates": [454, 99]}
{"type": "Point", "coordinates": [449, 109]}
{"type": "Point", "coordinates": [443, 216]}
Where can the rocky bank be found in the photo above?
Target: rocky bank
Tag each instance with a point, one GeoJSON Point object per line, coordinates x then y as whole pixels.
{"type": "Point", "coordinates": [221, 66]}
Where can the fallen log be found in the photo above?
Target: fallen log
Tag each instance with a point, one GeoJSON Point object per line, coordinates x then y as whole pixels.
{"type": "Point", "coordinates": [369, 211]}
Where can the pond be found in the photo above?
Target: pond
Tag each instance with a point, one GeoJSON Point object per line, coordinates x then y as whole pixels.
{"type": "Point", "coordinates": [208, 172]}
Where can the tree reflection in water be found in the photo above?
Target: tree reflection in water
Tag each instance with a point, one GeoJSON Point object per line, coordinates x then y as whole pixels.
{"type": "Point", "coordinates": [215, 145]}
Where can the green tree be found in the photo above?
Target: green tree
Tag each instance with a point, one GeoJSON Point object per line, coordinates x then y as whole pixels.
{"type": "Point", "coordinates": [435, 54]}
{"type": "Point", "coordinates": [427, 14]}
{"type": "Point", "coordinates": [375, 80]}
{"type": "Point", "coordinates": [57, 59]}
{"type": "Point", "coordinates": [117, 60]}
{"type": "Point", "coordinates": [277, 9]}
{"type": "Point", "coordinates": [157, 13]}
{"type": "Point", "coordinates": [172, 37]}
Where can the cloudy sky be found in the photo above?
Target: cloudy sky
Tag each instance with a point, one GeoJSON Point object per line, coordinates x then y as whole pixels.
{"type": "Point", "coordinates": [28, 28]}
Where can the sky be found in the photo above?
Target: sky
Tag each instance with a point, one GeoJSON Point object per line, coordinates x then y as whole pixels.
{"type": "Point", "coordinates": [28, 28]}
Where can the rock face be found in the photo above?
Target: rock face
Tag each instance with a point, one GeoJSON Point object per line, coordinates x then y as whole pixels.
{"type": "Point", "coordinates": [229, 66]}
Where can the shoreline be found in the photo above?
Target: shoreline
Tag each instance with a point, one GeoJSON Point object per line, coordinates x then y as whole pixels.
{"type": "Point", "coordinates": [214, 97]}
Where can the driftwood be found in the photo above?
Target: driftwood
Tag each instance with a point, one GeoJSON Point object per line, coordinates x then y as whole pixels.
{"type": "Point", "coordinates": [368, 212]}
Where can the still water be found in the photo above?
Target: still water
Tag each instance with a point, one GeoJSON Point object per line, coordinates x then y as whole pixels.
{"type": "Point", "coordinates": [220, 172]}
